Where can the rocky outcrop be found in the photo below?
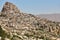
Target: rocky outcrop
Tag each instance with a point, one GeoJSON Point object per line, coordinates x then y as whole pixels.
{"type": "Point", "coordinates": [9, 9]}
{"type": "Point", "coordinates": [15, 25]}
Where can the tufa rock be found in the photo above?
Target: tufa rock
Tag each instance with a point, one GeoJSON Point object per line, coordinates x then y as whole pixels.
{"type": "Point", "coordinates": [9, 8]}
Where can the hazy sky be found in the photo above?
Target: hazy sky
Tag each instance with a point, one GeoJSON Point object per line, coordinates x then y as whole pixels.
{"type": "Point", "coordinates": [36, 6]}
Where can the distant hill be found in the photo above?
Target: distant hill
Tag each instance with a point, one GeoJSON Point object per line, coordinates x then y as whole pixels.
{"type": "Point", "coordinates": [52, 17]}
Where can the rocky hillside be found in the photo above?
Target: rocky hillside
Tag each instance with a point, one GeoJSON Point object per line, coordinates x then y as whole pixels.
{"type": "Point", "coordinates": [15, 25]}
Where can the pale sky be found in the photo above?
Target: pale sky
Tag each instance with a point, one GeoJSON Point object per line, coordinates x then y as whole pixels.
{"type": "Point", "coordinates": [35, 6]}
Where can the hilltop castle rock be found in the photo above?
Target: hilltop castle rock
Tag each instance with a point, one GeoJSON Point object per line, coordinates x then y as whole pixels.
{"type": "Point", "coordinates": [9, 9]}
{"type": "Point", "coordinates": [15, 25]}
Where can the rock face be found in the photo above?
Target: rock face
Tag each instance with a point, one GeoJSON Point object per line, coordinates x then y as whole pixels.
{"type": "Point", "coordinates": [15, 25]}
{"type": "Point", "coordinates": [9, 8]}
